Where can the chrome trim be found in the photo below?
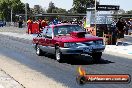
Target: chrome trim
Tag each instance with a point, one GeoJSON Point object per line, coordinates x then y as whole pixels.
{"type": "Point", "coordinates": [81, 50]}
{"type": "Point", "coordinates": [48, 49]}
{"type": "Point", "coordinates": [73, 50]}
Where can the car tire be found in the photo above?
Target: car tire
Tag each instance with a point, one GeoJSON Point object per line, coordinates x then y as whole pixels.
{"type": "Point", "coordinates": [58, 54]}
{"type": "Point", "coordinates": [97, 56]}
{"type": "Point", "coordinates": [38, 51]}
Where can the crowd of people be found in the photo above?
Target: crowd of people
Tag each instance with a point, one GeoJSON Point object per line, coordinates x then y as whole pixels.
{"type": "Point", "coordinates": [43, 23]}
{"type": "Point", "coordinates": [119, 28]}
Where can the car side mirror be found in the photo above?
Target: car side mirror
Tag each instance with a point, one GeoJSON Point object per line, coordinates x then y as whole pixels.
{"type": "Point", "coordinates": [39, 35]}
{"type": "Point", "coordinates": [44, 35]}
{"type": "Point", "coordinates": [49, 36]}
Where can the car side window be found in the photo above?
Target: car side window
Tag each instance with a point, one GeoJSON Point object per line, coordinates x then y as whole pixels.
{"type": "Point", "coordinates": [44, 32]}
{"type": "Point", "coordinates": [49, 33]}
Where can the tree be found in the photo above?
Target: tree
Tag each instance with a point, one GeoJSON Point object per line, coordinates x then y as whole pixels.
{"type": "Point", "coordinates": [60, 10]}
{"type": "Point", "coordinates": [28, 9]}
{"type": "Point", "coordinates": [4, 10]}
{"type": "Point", "coordinates": [80, 6]}
{"type": "Point", "coordinates": [38, 9]}
{"type": "Point", "coordinates": [129, 12]}
{"type": "Point", "coordinates": [71, 10]}
{"type": "Point", "coordinates": [121, 11]}
{"type": "Point", "coordinates": [51, 8]}
{"type": "Point", "coordinates": [6, 6]}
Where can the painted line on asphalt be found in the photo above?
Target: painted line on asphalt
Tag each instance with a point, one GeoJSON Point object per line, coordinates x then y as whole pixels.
{"type": "Point", "coordinates": [13, 78]}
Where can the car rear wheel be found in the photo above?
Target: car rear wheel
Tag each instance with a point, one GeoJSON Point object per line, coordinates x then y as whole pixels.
{"type": "Point", "coordinates": [38, 51]}
{"type": "Point", "coordinates": [58, 54]}
{"type": "Point", "coordinates": [97, 56]}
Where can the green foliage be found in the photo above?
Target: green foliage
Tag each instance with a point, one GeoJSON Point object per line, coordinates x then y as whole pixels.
{"type": "Point", "coordinates": [60, 10]}
{"type": "Point", "coordinates": [129, 12]}
{"type": "Point", "coordinates": [80, 6]}
{"type": "Point", "coordinates": [6, 6]}
{"type": "Point", "coordinates": [53, 9]}
{"type": "Point", "coordinates": [38, 10]}
{"type": "Point", "coordinates": [71, 10]}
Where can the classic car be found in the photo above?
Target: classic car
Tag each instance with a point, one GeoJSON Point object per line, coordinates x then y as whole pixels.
{"type": "Point", "coordinates": [68, 39]}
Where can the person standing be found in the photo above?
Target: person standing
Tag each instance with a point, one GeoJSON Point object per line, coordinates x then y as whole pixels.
{"type": "Point", "coordinates": [29, 24]}
{"type": "Point", "coordinates": [40, 26]}
{"type": "Point", "coordinates": [114, 32]}
{"type": "Point", "coordinates": [44, 23]}
{"type": "Point", "coordinates": [120, 31]}
{"type": "Point", "coordinates": [127, 27]}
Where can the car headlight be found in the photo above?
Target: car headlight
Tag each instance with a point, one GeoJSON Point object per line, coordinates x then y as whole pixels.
{"type": "Point", "coordinates": [100, 42]}
{"type": "Point", "coordinates": [68, 45]}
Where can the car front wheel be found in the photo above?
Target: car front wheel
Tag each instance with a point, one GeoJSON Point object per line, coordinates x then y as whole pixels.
{"type": "Point", "coordinates": [38, 51]}
{"type": "Point", "coordinates": [58, 54]}
{"type": "Point", "coordinates": [97, 56]}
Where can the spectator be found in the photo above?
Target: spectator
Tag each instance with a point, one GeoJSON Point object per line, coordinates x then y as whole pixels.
{"type": "Point", "coordinates": [114, 32]}
{"type": "Point", "coordinates": [127, 27]}
{"type": "Point", "coordinates": [55, 21]}
{"type": "Point", "coordinates": [120, 31]}
{"type": "Point", "coordinates": [44, 24]}
{"type": "Point", "coordinates": [40, 26]}
{"type": "Point", "coordinates": [20, 23]}
{"type": "Point", "coordinates": [29, 23]}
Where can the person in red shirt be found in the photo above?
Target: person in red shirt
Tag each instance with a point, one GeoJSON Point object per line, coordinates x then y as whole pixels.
{"type": "Point", "coordinates": [44, 24]}
{"type": "Point", "coordinates": [29, 24]}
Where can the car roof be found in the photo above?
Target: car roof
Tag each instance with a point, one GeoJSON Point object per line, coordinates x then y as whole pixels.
{"type": "Point", "coordinates": [62, 24]}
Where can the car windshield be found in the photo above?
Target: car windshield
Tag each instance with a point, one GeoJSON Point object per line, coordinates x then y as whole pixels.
{"type": "Point", "coordinates": [67, 29]}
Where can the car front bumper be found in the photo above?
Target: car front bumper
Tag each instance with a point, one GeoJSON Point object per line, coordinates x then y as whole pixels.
{"type": "Point", "coordinates": [81, 50]}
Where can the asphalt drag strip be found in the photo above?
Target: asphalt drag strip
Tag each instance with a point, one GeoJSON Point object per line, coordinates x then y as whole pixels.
{"type": "Point", "coordinates": [18, 59]}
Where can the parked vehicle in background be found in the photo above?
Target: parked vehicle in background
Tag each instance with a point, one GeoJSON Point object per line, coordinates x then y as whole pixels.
{"type": "Point", "coordinates": [1, 23]}
{"type": "Point", "coordinates": [68, 39]}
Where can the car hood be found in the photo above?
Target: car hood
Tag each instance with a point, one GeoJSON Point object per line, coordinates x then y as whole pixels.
{"type": "Point", "coordinates": [69, 38]}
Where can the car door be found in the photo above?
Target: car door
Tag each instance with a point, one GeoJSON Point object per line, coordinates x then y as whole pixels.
{"type": "Point", "coordinates": [42, 40]}
{"type": "Point", "coordinates": [48, 40]}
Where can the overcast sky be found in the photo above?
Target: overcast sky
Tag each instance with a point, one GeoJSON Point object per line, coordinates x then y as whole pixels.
{"type": "Point", "coordinates": [67, 4]}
